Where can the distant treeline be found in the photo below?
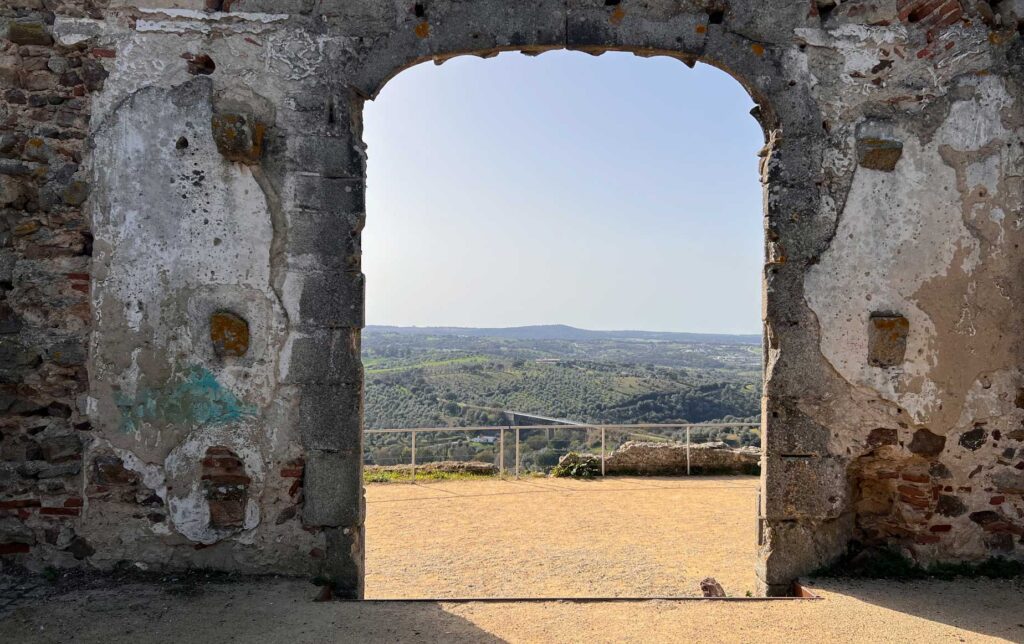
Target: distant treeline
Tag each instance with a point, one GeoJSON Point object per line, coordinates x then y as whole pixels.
{"type": "Point", "coordinates": [415, 380]}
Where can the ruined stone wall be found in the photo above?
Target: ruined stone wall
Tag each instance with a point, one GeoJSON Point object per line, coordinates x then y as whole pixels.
{"type": "Point", "coordinates": [46, 90]}
{"type": "Point", "coordinates": [181, 379]}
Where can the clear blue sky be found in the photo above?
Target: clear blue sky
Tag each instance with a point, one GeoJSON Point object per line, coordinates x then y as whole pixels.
{"type": "Point", "coordinates": [609, 192]}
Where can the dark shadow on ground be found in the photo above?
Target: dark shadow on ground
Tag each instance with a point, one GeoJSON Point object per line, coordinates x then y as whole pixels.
{"type": "Point", "coordinates": [984, 606]}
{"type": "Point", "coordinates": [267, 611]}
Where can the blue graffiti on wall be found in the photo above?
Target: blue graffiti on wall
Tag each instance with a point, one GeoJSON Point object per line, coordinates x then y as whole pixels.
{"type": "Point", "coordinates": [193, 398]}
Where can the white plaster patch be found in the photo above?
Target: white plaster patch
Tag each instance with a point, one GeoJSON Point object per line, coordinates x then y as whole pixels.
{"type": "Point", "coordinates": [190, 511]}
{"type": "Point", "coordinates": [857, 44]}
{"type": "Point", "coordinates": [71, 31]}
{"type": "Point", "coordinates": [899, 230]}
{"type": "Point", "coordinates": [152, 475]}
{"type": "Point", "coordinates": [192, 26]}
{"type": "Point", "coordinates": [894, 234]}
{"type": "Point", "coordinates": [217, 15]}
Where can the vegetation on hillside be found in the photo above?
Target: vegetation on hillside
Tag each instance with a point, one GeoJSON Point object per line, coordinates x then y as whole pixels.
{"type": "Point", "coordinates": [424, 380]}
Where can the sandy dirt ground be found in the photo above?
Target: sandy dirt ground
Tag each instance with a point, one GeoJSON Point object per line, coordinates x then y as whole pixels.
{"type": "Point", "coordinates": [526, 538]}
{"type": "Point", "coordinates": [282, 611]}
{"type": "Point", "coordinates": [541, 537]}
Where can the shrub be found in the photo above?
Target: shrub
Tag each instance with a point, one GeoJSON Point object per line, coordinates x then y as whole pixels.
{"type": "Point", "coordinates": [580, 466]}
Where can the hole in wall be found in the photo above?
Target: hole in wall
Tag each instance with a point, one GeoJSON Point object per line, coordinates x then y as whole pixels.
{"type": "Point", "coordinates": [919, 13]}
{"type": "Point", "coordinates": [716, 17]}
{"type": "Point", "coordinates": [201, 65]}
{"type": "Point", "coordinates": [181, 143]}
{"type": "Point", "coordinates": [825, 10]}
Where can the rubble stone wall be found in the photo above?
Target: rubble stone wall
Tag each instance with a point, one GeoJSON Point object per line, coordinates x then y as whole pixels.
{"type": "Point", "coordinates": [673, 459]}
{"type": "Point", "coordinates": [181, 199]}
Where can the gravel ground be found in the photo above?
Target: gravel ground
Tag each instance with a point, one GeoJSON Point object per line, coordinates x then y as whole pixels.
{"type": "Point", "coordinates": [282, 611]}
{"type": "Point", "coordinates": [525, 538]}
{"type": "Point", "coordinates": [539, 537]}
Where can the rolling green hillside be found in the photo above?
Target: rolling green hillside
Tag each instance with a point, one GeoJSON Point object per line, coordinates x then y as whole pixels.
{"type": "Point", "coordinates": [415, 378]}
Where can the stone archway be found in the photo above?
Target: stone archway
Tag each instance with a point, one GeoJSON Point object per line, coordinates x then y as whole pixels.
{"type": "Point", "coordinates": [892, 404]}
{"type": "Point", "coordinates": [801, 529]}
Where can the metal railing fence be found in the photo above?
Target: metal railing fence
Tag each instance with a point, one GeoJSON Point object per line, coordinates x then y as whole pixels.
{"type": "Point", "coordinates": [515, 430]}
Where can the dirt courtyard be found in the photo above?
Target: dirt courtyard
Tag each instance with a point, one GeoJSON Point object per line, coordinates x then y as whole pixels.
{"type": "Point", "coordinates": [529, 538]}
{"type": "Point", "coordinates": [543, 537]}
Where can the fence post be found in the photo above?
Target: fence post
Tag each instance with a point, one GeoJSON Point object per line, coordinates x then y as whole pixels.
{"type": "Point", "coordinates": [687, 451]}
{"type": "Point", "coordinates": [501, 452]}
{"type": "Point", "coordinates": [414, 457]}
{"type": "Point", "coordinates": [602, 451]}
{"type": "Point", "coordinates": [517, 452]}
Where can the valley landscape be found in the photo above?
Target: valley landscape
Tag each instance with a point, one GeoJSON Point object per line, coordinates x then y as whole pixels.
{"type": "Point", "coordinates": [463, 377]}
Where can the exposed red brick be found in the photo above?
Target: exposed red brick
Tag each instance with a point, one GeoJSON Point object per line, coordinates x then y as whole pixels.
{"type": "Point", "coordinates": [227, 513]}
{"type": "Point", "coordinates": [227, 479]}
{"type": "Point", "coordinates": [65, 512]}
{"type": "Point", "coordinates": [997, 500]}
{"type": "Point", "coordinates": [941, 528]}
{"type": "Point", "coordinates": [73, 502]}
{"type": "Point", "coordinates": [916, 478]}
{"type": "Point", "coordinates": [915, 501]}
{"type": "Point", "coordinates": [19, 503]}
{"type": "Point", "coordinates": [292, 473]}
{"type": "Point", "coordinates": [14, 548]}
{"type": "Point", "coordinates": [225, 485]}
{"type": "Point", "coordinates": [98, 52]}
{"type": "Point", "coordinates": [926, 539]}
{"type": "Point", "coordinates": [912, 491]}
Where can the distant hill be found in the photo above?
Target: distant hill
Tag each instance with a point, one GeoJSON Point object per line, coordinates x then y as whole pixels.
{"type": "Point", "coordinates": [565, 332]}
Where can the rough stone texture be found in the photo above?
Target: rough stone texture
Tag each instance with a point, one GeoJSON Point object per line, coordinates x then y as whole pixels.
{"type": "Point", "coordinates": [265, 222]}
{"type": "Point", "coordinates": [45, 244]}
{"type": "Point", "coordinates": [709, 587]}
{"type": "Point", "coordinates": [670, 459]}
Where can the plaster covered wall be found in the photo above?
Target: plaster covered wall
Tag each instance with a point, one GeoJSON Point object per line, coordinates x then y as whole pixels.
{"type": "Point", "coordinates": [219, 421]}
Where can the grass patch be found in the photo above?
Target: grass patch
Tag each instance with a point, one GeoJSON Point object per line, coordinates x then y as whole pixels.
{"type": "Point", "coordinates": [405, 476]}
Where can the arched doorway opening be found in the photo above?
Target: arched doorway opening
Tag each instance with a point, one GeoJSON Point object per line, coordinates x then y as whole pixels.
{"type": "Point", "coordinates": [593, 196]}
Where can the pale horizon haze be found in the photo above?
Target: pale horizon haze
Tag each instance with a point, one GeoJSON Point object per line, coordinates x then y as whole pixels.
{"type": "Point", "coordinates": [609, 193]}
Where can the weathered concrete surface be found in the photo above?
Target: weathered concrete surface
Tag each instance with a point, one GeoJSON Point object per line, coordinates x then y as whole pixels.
{"type": "Point", "coordinates": [671, 459]}
{"type": "Point", "coordinates": [222, 169]}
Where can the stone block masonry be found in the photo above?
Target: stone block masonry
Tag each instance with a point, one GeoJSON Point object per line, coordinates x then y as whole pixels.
{"type": "Point", "coordinates": [182, 196]}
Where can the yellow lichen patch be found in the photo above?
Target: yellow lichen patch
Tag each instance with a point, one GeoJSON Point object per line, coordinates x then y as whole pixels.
{"type": "Point", "coordinates": [229, 334]}
{"type": "Point", "coordinates": [238, 137]}
{"type": "Point", "coordinates": [617, 16]}
{"type": "Point", "coordinates": [701, 29]}
{"type": "Point", "coordinates": [758, 49]}
{"type": "Point", "coordinates": [423, 29]}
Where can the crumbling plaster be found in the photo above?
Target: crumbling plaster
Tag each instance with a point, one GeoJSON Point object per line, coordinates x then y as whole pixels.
{"type": "Point", "coordinates": [227, 173]}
